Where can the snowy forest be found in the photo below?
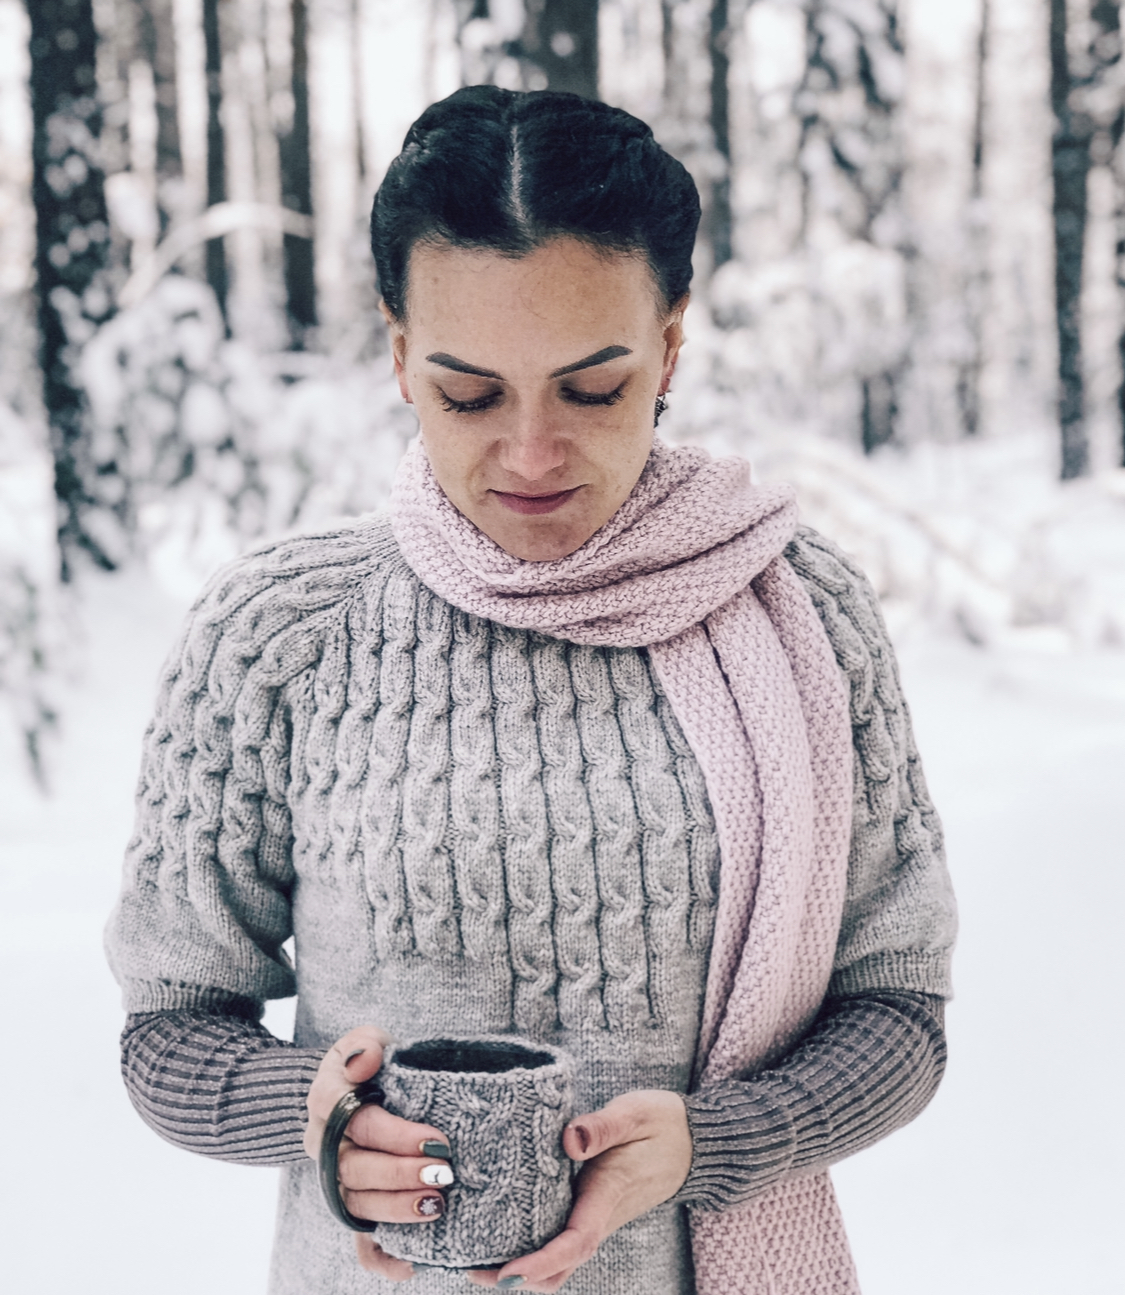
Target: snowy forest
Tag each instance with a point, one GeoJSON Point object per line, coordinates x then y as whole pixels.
{"type": "Point", "coordinates": [913, 248]}
{"type": "Point", "coordinates": [909, 301]}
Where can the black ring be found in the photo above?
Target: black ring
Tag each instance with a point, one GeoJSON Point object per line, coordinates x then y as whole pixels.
{"type": "Point", "coordinates": [335, 1126]}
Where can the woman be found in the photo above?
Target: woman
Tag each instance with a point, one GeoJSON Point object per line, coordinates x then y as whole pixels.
{"type": "Point", "coordinates": [589, 743]}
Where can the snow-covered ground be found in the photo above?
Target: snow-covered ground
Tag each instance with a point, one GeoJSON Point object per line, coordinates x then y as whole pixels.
{"type": "Point", "coordinates": [1010, 1184]}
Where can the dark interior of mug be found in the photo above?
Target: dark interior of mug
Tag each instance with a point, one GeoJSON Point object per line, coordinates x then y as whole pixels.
{"type": "Point", "coordinates": [465, 1056]}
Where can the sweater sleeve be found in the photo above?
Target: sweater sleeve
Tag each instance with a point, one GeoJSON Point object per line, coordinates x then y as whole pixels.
{"type": "Point", "coordinates": [204, 909]}
{"type": "Point", "coordinates": [219, 1083]}
{"type": "Point", "coordinates": [869, 1065]}
{"type": "Point", "coordinates": [899, 919]}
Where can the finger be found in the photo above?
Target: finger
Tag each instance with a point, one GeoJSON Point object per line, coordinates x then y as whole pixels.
{"type": "Point", "coordinates": [362, 1170]}
{"type": "Point", "coordinates": [396, 1207]}
{"type": "Point", "coordinates": [376, 1260]}
{"type": "Point", "coordinates": [491, 1278]}
{"type": "Point", "coordinates": [379, 1130]}
{"type": "Point", "coordinates": [353, 1058]}
{"type": "Point", "coordinates": [546, 1269]}
{"type": "Point", "coordinates": [589, 1135]}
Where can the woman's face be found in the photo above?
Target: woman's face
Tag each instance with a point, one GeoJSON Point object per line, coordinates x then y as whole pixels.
{"type": "Point", "coordinates": [534, 381]}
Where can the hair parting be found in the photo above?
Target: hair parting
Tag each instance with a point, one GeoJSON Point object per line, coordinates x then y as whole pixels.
{"type": "Point", "coordinates": [507, 171]}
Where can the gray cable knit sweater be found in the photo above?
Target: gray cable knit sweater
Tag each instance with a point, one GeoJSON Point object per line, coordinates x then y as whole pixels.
{"type": "Point", "coordinates": [471, 829]}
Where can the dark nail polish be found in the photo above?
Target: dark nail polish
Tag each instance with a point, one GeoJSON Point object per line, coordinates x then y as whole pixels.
{"type": "Point", "coordinates": [510, 1283]}
{"type": "Point", "coordinates": [357, 1053]}
{"type": "Point", "coordinates": [439, 1150]}
{"type": "Point", "coordinates": [429, 1207]}
{"type": "Point", "coordinates": [583, 1137]}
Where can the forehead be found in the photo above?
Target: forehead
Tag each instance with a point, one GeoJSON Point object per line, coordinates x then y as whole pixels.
{"type": "Point", "coordinates": [563, 284]}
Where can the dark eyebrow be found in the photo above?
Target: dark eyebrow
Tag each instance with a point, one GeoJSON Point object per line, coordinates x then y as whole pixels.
{"type": "Point", "coordinates": [460, 366]}
{"type": "Point", "coordinates": [603, 356]}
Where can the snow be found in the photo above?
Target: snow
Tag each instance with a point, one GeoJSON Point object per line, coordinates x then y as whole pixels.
{"type": "Point", "coordinates": [1007, 1185]}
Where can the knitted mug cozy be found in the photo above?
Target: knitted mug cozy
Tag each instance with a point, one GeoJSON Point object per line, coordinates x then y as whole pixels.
{"type": "Point", "coordinates": [503, 1105]}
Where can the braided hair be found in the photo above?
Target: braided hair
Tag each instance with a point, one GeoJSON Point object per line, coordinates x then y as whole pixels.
{"type": "Point", "coordinates": [508, 170]}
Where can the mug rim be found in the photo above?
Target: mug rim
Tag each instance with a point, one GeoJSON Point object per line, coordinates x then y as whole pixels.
{"type": "Point", "coordinates": [471, 1056]}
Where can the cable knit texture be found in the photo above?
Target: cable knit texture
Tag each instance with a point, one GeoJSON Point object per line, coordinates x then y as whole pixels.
{"type": "Point", "coordinates": [470, 827]}
{"type": "Point", "coordinates": [691, 566]}
{"type": "Point", "coordinates": [512, 1192]}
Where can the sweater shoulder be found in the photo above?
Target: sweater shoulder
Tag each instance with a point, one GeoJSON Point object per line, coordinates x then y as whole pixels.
{"type": "Point", "coordinates": [315, 569]}
{"type": "Point", "coordinates": [267, 615]}
{"type": "Point", "coordinates": [848, 607]}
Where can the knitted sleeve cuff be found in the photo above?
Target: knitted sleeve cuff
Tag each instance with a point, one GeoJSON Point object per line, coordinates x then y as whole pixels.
{"type": "Point", "coordinates": [868, 1066]}
{"type": "Point", "coordinates": [219, 1084]}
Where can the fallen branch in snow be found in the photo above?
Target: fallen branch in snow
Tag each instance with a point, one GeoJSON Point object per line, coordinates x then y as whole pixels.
{"type": "Point", "coordinates": [223, 218]}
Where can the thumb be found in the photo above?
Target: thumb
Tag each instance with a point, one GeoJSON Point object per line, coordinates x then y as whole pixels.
{"type": "Point", "coordinates": [358, 1054]}
{"type": "Point", "coordinates": [589, 1135]}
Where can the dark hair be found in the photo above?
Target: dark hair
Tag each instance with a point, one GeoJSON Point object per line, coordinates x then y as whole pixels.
{"type": "Point", "coordinates": [508, 170]}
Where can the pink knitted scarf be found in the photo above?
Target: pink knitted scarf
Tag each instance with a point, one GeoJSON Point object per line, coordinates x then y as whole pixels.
{"type": "Point", "coordinates": [690, 568]}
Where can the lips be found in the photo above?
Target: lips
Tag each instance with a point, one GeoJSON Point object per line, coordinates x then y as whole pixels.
{"type": "Point", "coordinates": [532, 505]}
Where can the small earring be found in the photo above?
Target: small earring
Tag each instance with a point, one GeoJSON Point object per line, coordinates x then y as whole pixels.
{"type": "Point", "coordinates": [661, 406]}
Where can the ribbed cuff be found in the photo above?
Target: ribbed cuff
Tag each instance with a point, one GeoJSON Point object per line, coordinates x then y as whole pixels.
{"type": "Point", "coordinates": [743, 1143]}
{"type": "Point", "coordinates": [869, 1065]}
{"type": "Point", "coordinates": [219, 1084]}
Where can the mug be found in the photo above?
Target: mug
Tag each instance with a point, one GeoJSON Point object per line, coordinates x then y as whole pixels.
{"type": "Point", "coordinates": [503, 1104]}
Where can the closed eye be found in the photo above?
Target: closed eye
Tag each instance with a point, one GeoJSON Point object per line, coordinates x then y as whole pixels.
{"type": "Point", "coordinates": [593, 397]}
{"type": "Point", "coordinates": [477, 406]}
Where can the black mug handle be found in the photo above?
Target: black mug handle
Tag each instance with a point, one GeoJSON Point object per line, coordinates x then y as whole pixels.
{"type": "Point", "coordinates": [366, 1094]}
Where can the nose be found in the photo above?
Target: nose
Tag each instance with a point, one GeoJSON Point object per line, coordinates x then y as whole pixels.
{"type": "Point", "coordinates": [531, 450]}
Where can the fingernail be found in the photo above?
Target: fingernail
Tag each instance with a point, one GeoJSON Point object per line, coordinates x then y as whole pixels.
{"type": "Point", "coordinates": [510, 1283]}
{"type": "Point", "coordinates": [429, 1207]}
{"type": "Point", "coordinates": [439, 1150]}
{"type": "Point", "coordinates": [583, 1137]}
{"type": "Point", "coordinates": [357, 1053]}
{"type": "Point", "coordinates": [436, 1175]}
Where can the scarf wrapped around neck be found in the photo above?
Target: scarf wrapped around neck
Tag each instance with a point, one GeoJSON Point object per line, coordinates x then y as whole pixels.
{"type": "Point", "coordinates": [690, 567]}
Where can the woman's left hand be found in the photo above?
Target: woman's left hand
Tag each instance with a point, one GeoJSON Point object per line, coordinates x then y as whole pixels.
{"type": "Point", "coordinates": [637, 1153]}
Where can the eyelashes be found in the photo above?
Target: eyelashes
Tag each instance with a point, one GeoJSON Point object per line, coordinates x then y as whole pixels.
{"type": "Point", "coordinates": [593, 398]}
{"type": "Point", "coordinates": [490, 401]}
{"type": "Point", "coordinates": [477, 406]}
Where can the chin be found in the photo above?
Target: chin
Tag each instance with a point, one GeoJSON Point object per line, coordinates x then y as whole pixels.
{"type": "Point", "coordinates": [539, 544]}
{"type": "Point", "coordinates": [540, 549]}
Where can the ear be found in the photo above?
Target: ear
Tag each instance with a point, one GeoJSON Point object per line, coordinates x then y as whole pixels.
{"type": "Point", "coordinates": [673, 340]}
{"type": "Point", "coordinates": [397, 330]}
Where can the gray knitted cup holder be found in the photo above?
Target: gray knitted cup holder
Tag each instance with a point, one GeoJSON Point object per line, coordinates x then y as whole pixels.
{"type": "Point", "coordinates": [503, 1105]}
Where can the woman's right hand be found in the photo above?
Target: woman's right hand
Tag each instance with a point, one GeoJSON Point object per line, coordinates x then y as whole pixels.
{"type": "Point", "coordinates": [383, 1163]}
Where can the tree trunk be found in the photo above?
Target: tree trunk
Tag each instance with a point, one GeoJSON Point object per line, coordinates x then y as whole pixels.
{"type": "Point", "coordinates": [157, 45]}
{"type": "Point", "coordinates": [976, 279]}
{"type": "Point", "coordinates": [720, 213]}
{"type": "Point", "coordinates": [561, 38]}
{"type": "Point", "coordinates": [72, 236]}
{"type": "Point", "coordinates": [1070, 165]}
{"type": "Point", "coordinates": [296, 185]}
{"type": "Point", "coordinates": [216, 258]}
{"type": "Point", "coordinates": [684, 128]}
{"type": "Point", "coordinates": [1108, 36]}
{"type": "Point", "coordinates": [254, 254]}
{"type": "Point", "coordinates": [335, 164]}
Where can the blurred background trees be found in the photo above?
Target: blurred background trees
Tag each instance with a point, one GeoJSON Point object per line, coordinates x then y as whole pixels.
{"type": "Point", "coordinates": [913, 235]}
